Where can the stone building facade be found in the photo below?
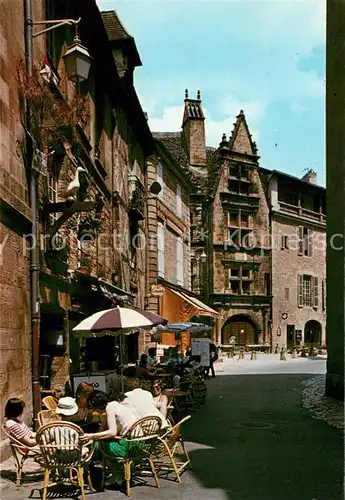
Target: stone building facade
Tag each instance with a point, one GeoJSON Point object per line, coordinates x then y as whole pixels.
{"type": "Point", "coordinates": [241, 257]}
{"type": "Point", "coordinates": [15, 213]}
{"type": "Point", "coordinates": [89, 258]}
{"type": "Point", "coordinates": [298, 259]}
{"type": "Point", "coordinates": [243, 221]}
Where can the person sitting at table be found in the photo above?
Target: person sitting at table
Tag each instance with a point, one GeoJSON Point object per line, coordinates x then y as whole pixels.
{"type": "Point", "coordinates": [142, 404]}
{"type": "Point", "coordinates": [15, 426]}
{"type": "Point", "coordinates": [159, 398]}
{"type": "Point", "coordinates": [120, 418]}
{"type": "Point", "coordinates": [82, 393]}
{"type": "Point", "coordinates": [87, 418]}
{"type": "Point", "coordinates": [174, 357]}
{"type": "Point", "coordinates": [97, 400]}
{"type": "Point", "coordinates": [140, 371]}
{"type": "Point", "coordinates": [151, 358]}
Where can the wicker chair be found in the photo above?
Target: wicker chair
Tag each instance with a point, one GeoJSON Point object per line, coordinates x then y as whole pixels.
{"type": "Point", "coordinates": [62, 451]}
{"type": "Point", "coordinates": [47, 416]}
{"type": "Point", "coordinates": [145, 434]}
{"type": "Point", "coordinates": [166, 453]}
{"type": "Point", "coordinates": [20, 454]}
{"type": "Point", "coordinates": [50, 402]}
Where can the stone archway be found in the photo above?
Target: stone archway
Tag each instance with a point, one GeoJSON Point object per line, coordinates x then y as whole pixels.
{"type": "Point", "coordinates": [242, 327]}
{"type": "Point", "coordinates": [313, 333]}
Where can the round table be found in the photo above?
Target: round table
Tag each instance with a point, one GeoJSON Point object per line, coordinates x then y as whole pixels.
{"type": "Point", "coordinates": [174, 393]}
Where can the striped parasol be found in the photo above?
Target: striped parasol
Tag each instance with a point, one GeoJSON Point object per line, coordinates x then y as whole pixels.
{"type": "Point", "coordinates": [117, 321]}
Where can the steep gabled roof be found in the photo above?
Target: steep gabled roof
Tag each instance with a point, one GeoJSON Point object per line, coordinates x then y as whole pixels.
{"type": "Point", "coordinates": [241, 139]}
{"type": "Point", "coordinates": [119, 36]}
{"type": "Point", "coordinates": [113, 26]}
{"type": "Point", "coordinates": [173, 142]}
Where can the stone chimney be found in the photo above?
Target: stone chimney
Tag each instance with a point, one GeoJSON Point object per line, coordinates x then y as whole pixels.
{"type": "Point", "coordinates": [193, 129]}
{"type": "Point", "coordinates": [310, 176]}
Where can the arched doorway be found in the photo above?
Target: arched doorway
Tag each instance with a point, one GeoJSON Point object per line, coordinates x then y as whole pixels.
{"type": "Point", "coordinates": [241, 327]}
{"type": "Point", "coordinates": [313, 333]}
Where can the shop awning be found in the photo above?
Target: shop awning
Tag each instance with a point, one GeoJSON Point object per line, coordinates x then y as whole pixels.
{"type": "Point", "coordinates": [106, 289]}
{"type": "Point", "coordinates": [180, 306]}
{"type": "Point", "coordinates": [182, 327]}
{"type": "Point", "coordinates": [111, 290]}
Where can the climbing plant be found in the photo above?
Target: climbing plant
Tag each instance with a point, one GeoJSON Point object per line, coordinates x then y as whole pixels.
{"type": "Point", "coordinates": [51, 117]}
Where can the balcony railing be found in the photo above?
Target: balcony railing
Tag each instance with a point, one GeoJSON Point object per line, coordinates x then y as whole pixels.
{"type": "Point", "coordinates": [300, 211]}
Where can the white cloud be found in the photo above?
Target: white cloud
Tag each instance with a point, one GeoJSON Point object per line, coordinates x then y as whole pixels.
{"type": "Point", "coordinates": [170, 120]}
{"type": "Point", "coordinates": [242, 54]}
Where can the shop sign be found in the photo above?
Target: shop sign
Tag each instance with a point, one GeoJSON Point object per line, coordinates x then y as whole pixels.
{"type": "Point", "coordinates": [157, 290]}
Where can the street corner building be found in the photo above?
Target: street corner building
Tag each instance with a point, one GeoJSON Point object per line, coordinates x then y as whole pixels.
{"type": "Point", "coordinates": [257, 237]}
{"type": "Point", "coordinates": [74, 149]}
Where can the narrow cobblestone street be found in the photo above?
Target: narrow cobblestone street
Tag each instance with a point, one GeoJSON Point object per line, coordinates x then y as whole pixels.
{"type": "Point", "coordinates": [253, 440]}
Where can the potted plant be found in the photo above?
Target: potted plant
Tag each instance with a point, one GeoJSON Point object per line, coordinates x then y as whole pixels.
{"type": "Point", "coordinates": [85, 265]}
{"type": "Point", "coordinates": [89, 226]}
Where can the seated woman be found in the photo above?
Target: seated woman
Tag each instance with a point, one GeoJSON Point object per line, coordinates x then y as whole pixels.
{"type": "Point", "coordinates": [86, 418]}
{"type": "Point", "coordinates": [160, 399]}
{"type": "Point", "coordinates": [97, 401]}
{"type": "Point", "coordinates": [82, 393]}
{"type": "Point", "coordinates": [120, 418]}
{"type": "Point", "coordinates": [140, 371]}
{"type": "Point", "coordinates": [15, 426]}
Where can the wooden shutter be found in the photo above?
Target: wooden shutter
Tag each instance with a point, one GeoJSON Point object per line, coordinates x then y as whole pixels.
{"type": "Point", "coordinates": [312, 291]}
{"type": "Point", "coordinates": [309, 243]}
{"type": "Point", "coordinates": [282, 242]}
{"type": "Point", "coordinates": [316, 292]}
{"type": "Point", "coordinates": [179, 261]}
{"type": "Point", "coordinates": [160, 250]}
{"type": "Point", "coordinates": [300, 240]}
{"type": "Point", "coordinates": [323, 295]}
{"type": "Point", "coordinates": [300, 290]}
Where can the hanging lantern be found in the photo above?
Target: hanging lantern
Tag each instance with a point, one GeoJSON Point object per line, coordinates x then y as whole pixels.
{"type": "Point", "coordinates": [77, 61]}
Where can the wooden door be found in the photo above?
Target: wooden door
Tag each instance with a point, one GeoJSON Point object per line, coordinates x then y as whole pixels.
{"type": "Point", "coordinates": [243, 330]}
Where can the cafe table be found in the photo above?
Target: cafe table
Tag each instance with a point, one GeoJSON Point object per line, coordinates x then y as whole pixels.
{"type": "Point", "coordinates": [173, 396]}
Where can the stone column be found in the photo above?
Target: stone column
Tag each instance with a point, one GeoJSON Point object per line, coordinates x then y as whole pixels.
{"type": "Point", "coordinates": [335, 184]}
{"type": "Point", "coordinates": [218, 330]}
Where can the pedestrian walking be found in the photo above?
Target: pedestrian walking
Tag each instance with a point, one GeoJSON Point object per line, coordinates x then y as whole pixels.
{"type": "Point", "coordinates": [213, 359]}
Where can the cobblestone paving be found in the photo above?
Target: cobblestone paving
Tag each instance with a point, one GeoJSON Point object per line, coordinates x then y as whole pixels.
{"type": "Point", "coordinates": [256, 438]}
{"type": "Point", "coordinates": [323, 408]}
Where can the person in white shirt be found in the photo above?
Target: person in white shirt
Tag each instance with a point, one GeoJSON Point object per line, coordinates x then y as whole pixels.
{"type": "Point", "coordinates": [120, 418]}
{"type": "Point", "coordinates": [160, 400]}
{"type": "Point", "coordinates": [142, 404]}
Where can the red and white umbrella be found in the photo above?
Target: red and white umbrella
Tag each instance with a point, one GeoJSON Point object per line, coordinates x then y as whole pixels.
{"type": "Point", "coordinates": [117, 321]}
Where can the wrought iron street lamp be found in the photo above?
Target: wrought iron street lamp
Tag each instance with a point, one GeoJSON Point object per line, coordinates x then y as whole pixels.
{"type": "Point", "coordinates": [77, 57]}
{"type": "Point", "coordinates": [77, 61]}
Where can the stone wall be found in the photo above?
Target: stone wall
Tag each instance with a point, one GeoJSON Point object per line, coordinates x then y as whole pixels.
{"type": "Point", "coordinates": [15, 323]}
{"type": "Point", "coordinates": [287, 265]}
{"type": "Point", "coordinates": [335, 165]}
{"type": "Point", "coordinates": [176, 225]}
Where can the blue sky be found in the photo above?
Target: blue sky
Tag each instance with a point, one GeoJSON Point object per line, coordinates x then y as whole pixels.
{"type": "Point", "coordinates": [267, 58]}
